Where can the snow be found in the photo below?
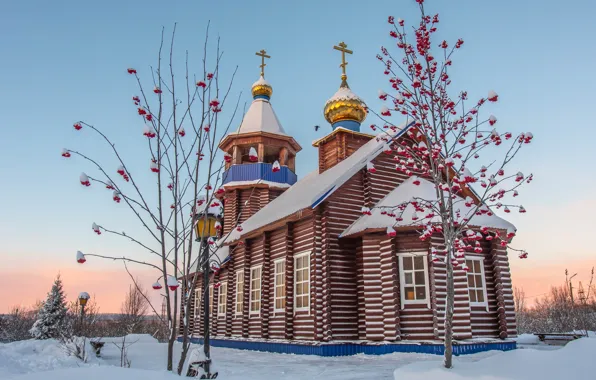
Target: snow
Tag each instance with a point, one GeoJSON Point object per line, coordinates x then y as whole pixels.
{"type": "Point", "coordinates": [261, 81]}
{"type": "Point", "coordinates": [425, 191]}
{"type": "Point", "coordinates": [256, 182]}
{"type": "Point", "coordinates": [260, 117]}
{"type": "Point", "coordinates": [84, 295]}
{"type": "Point", "coordinates": [314, 187]}
{"type": "Point", "coordinates": [46, 360]}
{"type": "Point", "coordinates": [574, 361]}
{"type": "Point", "coordinates": [344, 93]}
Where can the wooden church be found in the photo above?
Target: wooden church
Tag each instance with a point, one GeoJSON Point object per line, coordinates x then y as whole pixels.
{"type": "Point", "coordinates": [308, 269]}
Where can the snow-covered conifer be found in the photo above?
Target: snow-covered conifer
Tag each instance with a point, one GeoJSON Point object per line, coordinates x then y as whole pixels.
{"type": "Point", "coordinates": [51, 318]}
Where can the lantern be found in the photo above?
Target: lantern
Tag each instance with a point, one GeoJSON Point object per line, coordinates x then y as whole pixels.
{"type": "Point", "coordinates": [83, 298]}
{"type": "Point", "coordinates": [81, 257]}
{"type": "Point", "coordinates": [205, 226]}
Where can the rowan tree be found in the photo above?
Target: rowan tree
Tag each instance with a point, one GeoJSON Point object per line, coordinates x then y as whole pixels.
{"type": "Point", "coordinates": [452, 143]}
{"type": "Point", "coordinates": [181, 124]}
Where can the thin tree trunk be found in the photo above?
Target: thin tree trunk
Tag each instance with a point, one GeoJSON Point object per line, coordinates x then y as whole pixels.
{"type": "Point", "coordinates": [449, 313]}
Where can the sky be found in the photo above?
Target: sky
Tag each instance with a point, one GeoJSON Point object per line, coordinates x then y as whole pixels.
{"type": "Point", "coordinates": [64, 61]}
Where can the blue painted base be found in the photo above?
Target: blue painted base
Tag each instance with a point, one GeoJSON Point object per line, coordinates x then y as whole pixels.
{"type": "Point", "coordinates": [347, 349]}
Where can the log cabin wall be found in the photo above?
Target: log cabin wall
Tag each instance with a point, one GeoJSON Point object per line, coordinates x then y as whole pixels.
{"type": "Point", "coordinates": [278, 251]}
{"type": "Point", "coordinates": [503, 290]}
{"type": "Point", "coordinates": [484, 320]}
{"type": "Point", "coordinates": [238, 211]}
{"type": "Point", "coordinates": [255, 318]}
{"type": "Point", "coordinates": [438, 281]}
{"type": "Point", "coordinates": [415, 320]}
{"type": "Point", "coordinates": [303, 239]}
{"type": "Point", "coordinates": [338, 146]}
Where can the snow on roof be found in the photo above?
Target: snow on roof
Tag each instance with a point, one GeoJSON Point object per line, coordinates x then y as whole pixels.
{"type": "Point", "coordinates": [260, 117]}
{"type": "Point", "coordinates": [344, 93]}
{"type": "Point", "coordinates": [425, 191]}
{"type": "Point", "coordinates": [84, 295]}
{"type": "Point", "coordinates": [313, 189]}
{"type": "Point", "coordinates": [257, 182]}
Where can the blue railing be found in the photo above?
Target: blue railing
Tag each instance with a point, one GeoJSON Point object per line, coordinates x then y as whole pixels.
{"type": "Point", "coordinates": [259, 170]}
{"type": "Point", "coordinates": [347, 349]}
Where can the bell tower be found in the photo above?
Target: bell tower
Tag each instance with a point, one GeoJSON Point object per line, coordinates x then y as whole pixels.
{"type": "Point", "coordinates": [261, 157]}
{"type": "Point", "coordinates": [345, 111]}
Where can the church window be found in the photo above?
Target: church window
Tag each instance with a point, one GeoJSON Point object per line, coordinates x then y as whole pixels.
{"type": "Point", "coordinates": [198, 298]}
{"type": "Point", "coordinates": [210, 299]}
{"type": "Point", "coordinates": [222, 295]}
{"type": "Point", "coordinates": [239, 291]}
{"type": "Point", "coordinates": [302, 281]}
{"type": "Point", "coordinates": [280, 284]}
{"type": "Point", "coordinates": [476, 281]}
{"type": "Point", "coordinates": [413, 275]}
{"type": "Point", "coordinates": [255, 289]}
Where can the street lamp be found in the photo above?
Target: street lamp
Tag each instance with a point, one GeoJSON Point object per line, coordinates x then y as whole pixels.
{"type": "Point", "coordinates": [206, 228]}
{"type": "Point", "coordinates": [83, 298]}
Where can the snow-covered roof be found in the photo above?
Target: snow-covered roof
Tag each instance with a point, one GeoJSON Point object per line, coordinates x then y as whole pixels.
{"type": "Point", "coordinates": [314, 188]}
{"type": "Point", "coordinates": [344, 93]}
{"type": "Point", "coordinates": [425, 191]}
{"type": "Point", "coordinates": [260, 117]}
{"type": "Point", "coordinates": [257, 182]}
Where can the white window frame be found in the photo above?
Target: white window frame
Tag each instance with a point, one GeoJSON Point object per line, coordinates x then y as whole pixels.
{"type": "Point", "coordinates": [222, 292]}
{"type": "Point", "coordinates": [211, 293]}
{"type": "Point", "coordinates": [241, 294]}
{"type": "Point", "coordinates": [275, 284]}
{"type": "Point", "coordinates": [307, 307]}
{"type": "Point", "coordinates": [198, 297]}
{"type": "Point", "coordinates": [250, 300]}
{"type": "Point", "coordinates": [483, 276]}
{"type": "Point", "coordinates": [402, 280]}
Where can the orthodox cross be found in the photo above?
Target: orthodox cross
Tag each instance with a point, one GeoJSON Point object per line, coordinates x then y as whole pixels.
{"type": "Point", "coordinates": [263, 55]}
{"type": "Point", "coordinates": [342, 47]}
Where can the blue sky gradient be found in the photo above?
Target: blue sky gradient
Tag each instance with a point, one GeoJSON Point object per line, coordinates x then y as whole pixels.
{"type": "Point", "coordinates": [66, 60]}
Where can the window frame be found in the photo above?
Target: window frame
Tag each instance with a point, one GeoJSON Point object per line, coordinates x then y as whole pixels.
{"type": "Point", "coordinates": [250, 300]}
{"type": "Point", "coordinates": [307, 307]}
{"type": "Point", "coordinates": [275, 284]}
{"type": "Point", "coordinates": [482, 276]}
{"type": "Point", "coordinates": [221, 293]}
{"type": "Point", "coordinates": [236, 302]}
{"type": "Point", "coordinates": [197, 304]}
{"type": "Point", "coordinates": [402, 279]}
{"type": "Point", "coordinates": [211, 296]}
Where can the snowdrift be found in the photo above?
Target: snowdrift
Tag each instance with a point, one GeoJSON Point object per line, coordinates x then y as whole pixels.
{"type": "Point", "coordinates": [574, 361]}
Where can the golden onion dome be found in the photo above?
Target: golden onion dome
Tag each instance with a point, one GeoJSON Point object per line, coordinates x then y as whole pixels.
{"type": "Point", "coordinates": [261, 89]}
{"type": "Point", "coordinates": [345, 106]}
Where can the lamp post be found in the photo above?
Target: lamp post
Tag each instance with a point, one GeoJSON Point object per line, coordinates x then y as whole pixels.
{"type": "Point", "coordinates": [205, 229]}
{"type": "Point", "coordinates": [83, 298]}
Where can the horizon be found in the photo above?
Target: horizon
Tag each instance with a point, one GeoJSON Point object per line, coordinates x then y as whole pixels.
{"type": "Point", "coordinates": [54, 76]}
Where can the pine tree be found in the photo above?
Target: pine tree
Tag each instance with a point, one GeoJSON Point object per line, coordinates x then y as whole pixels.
{"type": "Point", "coordinates": [52, 314]}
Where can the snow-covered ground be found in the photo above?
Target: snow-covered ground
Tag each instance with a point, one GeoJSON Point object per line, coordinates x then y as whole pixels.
{"type": "Point", "coordinates": [45, 360]}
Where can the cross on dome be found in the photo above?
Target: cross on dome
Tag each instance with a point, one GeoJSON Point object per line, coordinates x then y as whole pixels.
{"type": "Point", "coordinates": [261, 89]}
{"type": "Point", "coordinates": [342, 47]}
{"type": "Point", "coordinates": [263, 55]}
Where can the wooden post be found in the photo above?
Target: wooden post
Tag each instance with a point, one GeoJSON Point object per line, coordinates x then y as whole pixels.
{"type": "Point", "coordinates": [283, 156]}
{"type": "Point", "coordinates": [236, 155]}
{"type": "Point", "coordinates": [261, 152]}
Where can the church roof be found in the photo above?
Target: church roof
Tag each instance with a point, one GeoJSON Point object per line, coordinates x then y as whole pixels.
{"type": "Point", "coordinates": [426, 190]}
{"type": "Point", "coordinates": [314, 188]}
{"type": "Point", "coordinates": [260, 117]}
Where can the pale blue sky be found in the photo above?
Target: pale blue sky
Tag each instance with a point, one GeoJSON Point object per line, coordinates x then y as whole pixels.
{"type": "Point", "coordinates": [62, 61]}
